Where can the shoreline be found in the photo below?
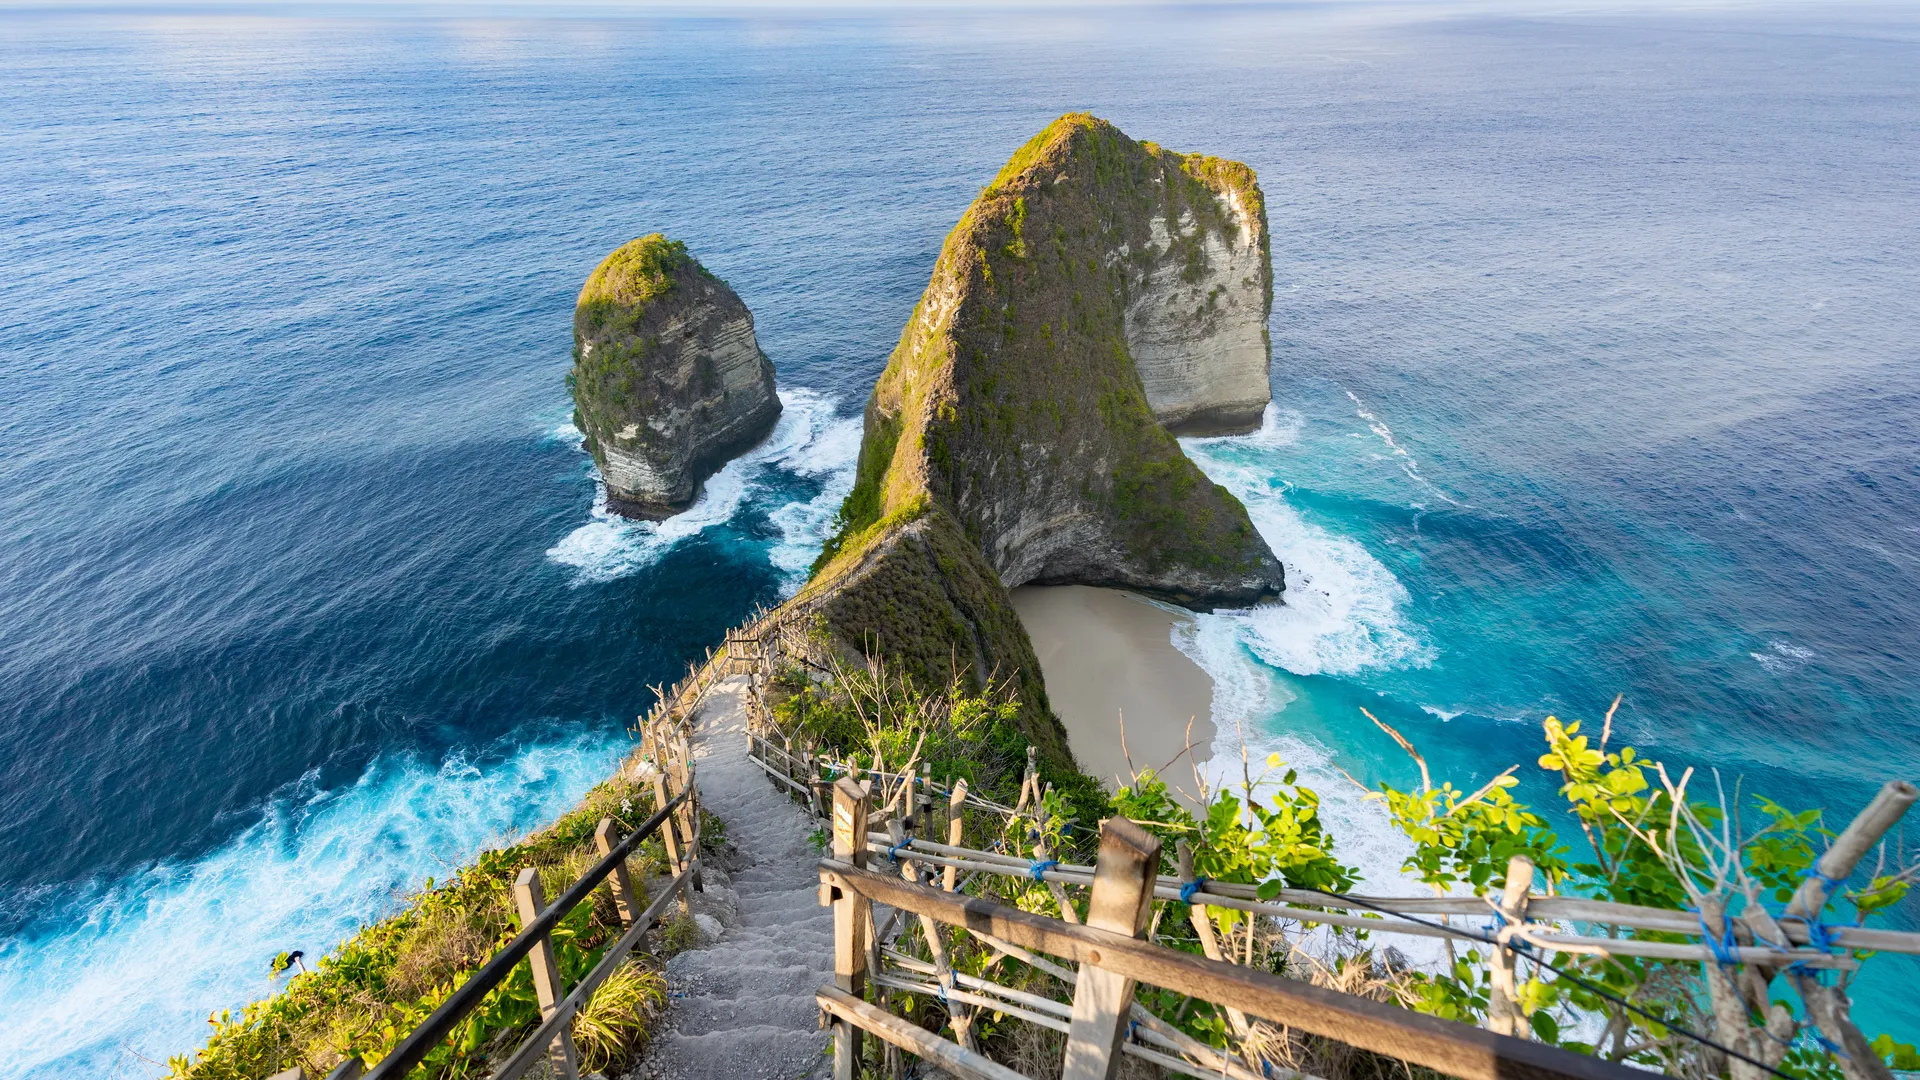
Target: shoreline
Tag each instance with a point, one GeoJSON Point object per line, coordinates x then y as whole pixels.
{"type": "Point", "coordinates": [1128, 699]}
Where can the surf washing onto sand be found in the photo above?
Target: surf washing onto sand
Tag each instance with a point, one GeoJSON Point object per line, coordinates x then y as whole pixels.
{"type": "Point", "coordinates": [1344, 615]}
{"type": "Point", "coordinates": [811, 443]}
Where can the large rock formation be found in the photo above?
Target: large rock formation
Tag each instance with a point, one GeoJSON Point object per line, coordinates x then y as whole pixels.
{"type": "Point", "coordinates": [668, 380]}
{"type": "Point", "coordinates": [1098, 292]}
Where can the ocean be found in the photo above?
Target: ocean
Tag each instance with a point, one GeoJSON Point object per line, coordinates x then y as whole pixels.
{"type": "Point", "coordinates": [1594, 373]}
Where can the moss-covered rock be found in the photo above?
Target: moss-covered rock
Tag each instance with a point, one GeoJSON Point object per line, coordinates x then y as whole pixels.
{"type": "Point", "coordinates": [1098, 290]}
{"type": "Point", "coordinates": [916, 594]}
{"type": "Point", "coordinates": [668, 380]}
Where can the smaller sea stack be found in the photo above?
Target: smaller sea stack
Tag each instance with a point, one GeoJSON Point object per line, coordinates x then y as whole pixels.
{"type": "Point", "coordinates": [668, 380]}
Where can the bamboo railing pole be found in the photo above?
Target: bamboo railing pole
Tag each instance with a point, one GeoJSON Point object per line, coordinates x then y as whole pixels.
{"type": "Point", "coordinates": [923, 809]}
{"type": "Point", "coordinates": [1203, 927]}
{"type": "Point", "coordinates": [956, 827]}
{"type": "Point", "coordinates": [1504, 1014]}
{"type": "Point", "coordinates": [1829, 1005]}
{"type": "Point", "coordinates": [937, 949]}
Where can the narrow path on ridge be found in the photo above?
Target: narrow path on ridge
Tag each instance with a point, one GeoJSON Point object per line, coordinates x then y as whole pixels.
{"type": "Point", "coordinates": [743, 1004]}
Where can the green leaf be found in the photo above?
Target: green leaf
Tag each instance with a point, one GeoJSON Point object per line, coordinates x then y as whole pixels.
{"type": "Point", "coordinates": [1898, 1055]}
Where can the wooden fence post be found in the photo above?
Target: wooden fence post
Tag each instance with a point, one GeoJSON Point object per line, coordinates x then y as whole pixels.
{"type": "Point", "coordinates": [546, 972]}
{"type": "Point", "coordinates": [690, 809]}
{"type": "Point", "coordinates": [618, 882]}
{"type": "Point", "coordinates": [1504, 1014]}
{"type": "Point", "coordinates": [850, 915]}
{"type": "Point", "coordinates": [661, 797]}
{"type": "Point", "coordinates": [1122, 901]}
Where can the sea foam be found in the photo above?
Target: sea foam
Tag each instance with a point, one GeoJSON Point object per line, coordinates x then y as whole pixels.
{"type": "Point", "coordinates": [810, 440]}
{"type": "Point", "coordinates": [1344, 611]}
{"type": "Point", "coordinates": [163, 943]}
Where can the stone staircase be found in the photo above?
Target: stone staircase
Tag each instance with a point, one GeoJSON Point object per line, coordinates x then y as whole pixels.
{"type": "Point", "coordinates": [742, 1004]}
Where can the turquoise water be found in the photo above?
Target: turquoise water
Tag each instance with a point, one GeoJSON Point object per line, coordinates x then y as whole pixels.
{"type": "Point", "coordinates": [1594, 374]}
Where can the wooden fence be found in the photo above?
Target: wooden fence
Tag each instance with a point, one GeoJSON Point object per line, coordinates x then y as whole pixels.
{"type": "Point", "coordinates": [666, 754]}
{"type": "Point", "coordinates": [914, 809]}
{"type": "Point", "coordinates": [1103, 1021]}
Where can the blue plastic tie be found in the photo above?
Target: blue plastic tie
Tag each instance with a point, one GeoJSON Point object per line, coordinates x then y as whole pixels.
{"type": "Point", "coordinates": [1724, 947]}
{"type": "Point", "coordinates": [1493, 929]}
{"type": "Point", "coordinates": [893, 855]}
{"type": "Point", "coordinates": [1188, 888]}
{"type": "Point", "coordinates": [1834, 885]}
{"type": "Point", "coordinates": [1828, 1044]}
{"type": "Point", "coordinates": [1042, 867]}
{"type": "Point", "coordinates": [1819, 936]}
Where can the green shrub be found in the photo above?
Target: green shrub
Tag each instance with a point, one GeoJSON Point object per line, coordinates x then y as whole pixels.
{"type": "Point", "coordinates": [378, 985]}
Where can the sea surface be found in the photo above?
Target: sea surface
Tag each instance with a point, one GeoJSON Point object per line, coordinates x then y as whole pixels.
{"type": "Point", "coordinates": [1595, 372]}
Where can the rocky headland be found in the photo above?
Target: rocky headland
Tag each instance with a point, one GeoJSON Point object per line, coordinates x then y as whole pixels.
{"type": "Point", "coordinates": [668, 380]}
{"type": "Point", "coordinates": [1098, 294]}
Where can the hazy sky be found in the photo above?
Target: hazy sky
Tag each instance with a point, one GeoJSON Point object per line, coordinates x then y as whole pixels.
{"type": "Point", "coordinates": [1414, 8]}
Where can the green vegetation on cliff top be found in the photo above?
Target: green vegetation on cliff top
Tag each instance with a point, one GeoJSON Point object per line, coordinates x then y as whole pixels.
{"type": "Point", "coordinates": [634, 275]}
{"type": "Point", "coordinates": [610, 345]}
{"type": "Point", "coordinates": [1016, 360]}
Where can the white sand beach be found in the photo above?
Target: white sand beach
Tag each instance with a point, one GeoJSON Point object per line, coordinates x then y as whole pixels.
{"type": "Point", "coordinates": [1108, 657]}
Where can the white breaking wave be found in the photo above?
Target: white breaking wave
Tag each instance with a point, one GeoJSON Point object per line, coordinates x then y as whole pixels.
{"type": "Point", "coordinates": [1246, 696]}
{"type": "Point", "coordinates": [124, 975]}
{"type": "Point", "coordinates": [809, 439]}
{"type": "Point", "coordinates": [831, 453]}
{"type": "Point", "coordinates": [1343, 610]}
{"type": "Point", "coordinates": [1782, 657]}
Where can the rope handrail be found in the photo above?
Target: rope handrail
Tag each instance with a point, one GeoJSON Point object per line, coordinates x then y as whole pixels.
{"type": "Point", "coordinates": [1245, 898]}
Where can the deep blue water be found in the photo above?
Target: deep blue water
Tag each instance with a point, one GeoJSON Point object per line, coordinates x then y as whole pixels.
{"type": "Point", "coordinates": [1595, 372]}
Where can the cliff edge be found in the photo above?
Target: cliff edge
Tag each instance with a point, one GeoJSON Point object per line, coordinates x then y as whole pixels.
{"type": "Point", "coordinates": [668, 380]}
{"type": "Point", "coordinates": [1099, 291]}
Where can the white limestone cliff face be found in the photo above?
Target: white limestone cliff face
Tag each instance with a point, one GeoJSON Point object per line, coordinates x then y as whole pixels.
{"type": "Point", "coordinates": [1197, 328]}
{"type": "Point", "coordinates": [720, 387]}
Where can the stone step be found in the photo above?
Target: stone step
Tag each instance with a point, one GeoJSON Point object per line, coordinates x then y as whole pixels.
{"type": "Point", "coordinates": [742, 1005]}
